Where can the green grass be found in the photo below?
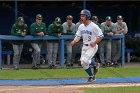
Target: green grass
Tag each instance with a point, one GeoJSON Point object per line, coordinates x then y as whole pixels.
{"type": "Point", "coordinates": [135, 89]}
{"type": "Point", "coordinates": [68, 73]}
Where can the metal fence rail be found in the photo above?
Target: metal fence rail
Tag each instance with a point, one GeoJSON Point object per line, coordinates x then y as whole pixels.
{"type": "Point", "coordinates": [62, 39]}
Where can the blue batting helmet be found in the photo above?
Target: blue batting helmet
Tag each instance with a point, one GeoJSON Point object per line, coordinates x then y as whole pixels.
{"type": "Point", "coordinates": [87, 13]}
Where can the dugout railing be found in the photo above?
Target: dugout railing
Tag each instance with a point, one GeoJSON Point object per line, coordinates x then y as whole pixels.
{"type": "Point", "coordinates": [62, 39]}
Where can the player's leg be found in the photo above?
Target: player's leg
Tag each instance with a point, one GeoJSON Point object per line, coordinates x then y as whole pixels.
{"type": "Point", "coordinates": [114, 50]}
{"type": "Point", "coordinates": [101, 53]}
{"type": "Point", "coordinates": [50, 53]}
{"type": "Point", "coordinates": [74, 52]}
{"type": "Point", "coordinates": [55, 50]}
{"type": "Point", "coordinates": [38, 62]}
{"type": "Point", "coordinates": [36, 54]}
{"type": "Point", "coordinates": [108, 52]}
{"type": "Point", "coordinates": [87, 68]}
{"type": "Point", "coordinates": [20, 51]}
{"type": "Point", "coordinates": [69, 53]}
{"type": "Point", "coordinates": [16, 58]}
{"type": "Point", "coordinates": [90, 53]}
{"type": "Point", "coordinates": [85, 64]}
{"type": "Point", "coordinates": [118, 54]}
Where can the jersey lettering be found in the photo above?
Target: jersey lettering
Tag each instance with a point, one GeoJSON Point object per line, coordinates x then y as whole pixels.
{"type": "Point", "coordinates": [86, 32]}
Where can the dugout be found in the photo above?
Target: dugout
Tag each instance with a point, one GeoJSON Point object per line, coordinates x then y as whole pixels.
{"type": "Point", "coordinates": [129, 9]}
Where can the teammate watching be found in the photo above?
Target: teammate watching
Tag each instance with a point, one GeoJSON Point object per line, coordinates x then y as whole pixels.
{"type": "Point", "coordinates": [38, 28]}
{"type": "Point", "coordinates": [54, 29]}
{"type": "Point", "coordinates": [105, 45]}
{"type": "Point", "coordinates": [91, 35]}
{"type": "Point", "coordinates": [95, 20]}
{"type": "Point", "coordinates": [69, 29]}
{"type": "Point", "coordinates": [77, 47]}
{"type": "Point", "coordinates": [18, 29]}
{"type": "Point", "coordinates": [120, 28]}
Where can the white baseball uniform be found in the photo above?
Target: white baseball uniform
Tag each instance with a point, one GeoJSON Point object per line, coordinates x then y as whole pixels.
{"type": "Point", "coordinates": [89, 33]}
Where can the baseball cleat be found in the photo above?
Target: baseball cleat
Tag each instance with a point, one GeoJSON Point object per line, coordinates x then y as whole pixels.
{"type": "Point", "coordinates": [91, 79]}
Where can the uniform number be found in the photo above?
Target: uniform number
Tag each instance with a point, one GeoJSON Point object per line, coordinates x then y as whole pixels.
{"type": "Point", "coordinates": [89, 38]}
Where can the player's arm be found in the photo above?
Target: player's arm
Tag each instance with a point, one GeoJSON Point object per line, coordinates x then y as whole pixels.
{"type": "Point", "coordinates": [100, 36]}
{"type": "Point", "coordinates": [14, 32]}
{"type": "Point", "coordinates": [77, 36]}
{"type": "Point", "coordinates": [76, 39]}
{"type": "Point", "coordinates": [97, 41]}
{"type": "Point", "coordinates": [119, 31]}
{"type": "Point", "coordinates": [126, 29]}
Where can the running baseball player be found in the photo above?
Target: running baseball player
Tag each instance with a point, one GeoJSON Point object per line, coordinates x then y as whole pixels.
{"type": "Point", "coordinates": [91, 35]}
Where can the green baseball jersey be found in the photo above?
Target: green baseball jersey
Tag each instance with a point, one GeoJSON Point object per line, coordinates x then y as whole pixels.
{"type": "Point", "coordinates": [35, 28]}
{"type": "Point", "coordinates": [54, 30]}
{"type": "Point", "coordinates": [17, 30]}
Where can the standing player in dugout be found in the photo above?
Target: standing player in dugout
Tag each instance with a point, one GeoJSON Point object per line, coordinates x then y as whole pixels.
{"type": "Point", "coordinates": [18, 29]}
{"type": "Point", "coordinates": [91, 35]}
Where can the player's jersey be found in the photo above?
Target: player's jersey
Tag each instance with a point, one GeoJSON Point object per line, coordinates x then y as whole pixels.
{"type": "Point", "coordinates": [77, 25]}
{"type": "Point", "coordinates": [118, 27]}
{"type": "Point", "coordinates": [89, 33]}
{"type": "Point", "coordinates": [107, 28]}
{"type": "Point", "coordinates": [68, 30]}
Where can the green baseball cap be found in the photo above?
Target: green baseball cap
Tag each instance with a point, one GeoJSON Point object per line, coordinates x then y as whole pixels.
{"type": "Point", "coordinates": [108, 18]}
{"type": "Point", "coordinates": [39, 16]}
{"type": "Point", "coordinates": [119, 17]}
{"type": "Point", "coordinates": [57, 19]}
{"type": "Point", "coordinates": [94, 18]}
{"type": "Point", "coordinates": [20, 19]}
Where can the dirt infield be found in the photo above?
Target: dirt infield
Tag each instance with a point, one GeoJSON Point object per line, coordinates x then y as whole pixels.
{"type": "Point", "coordinates": [59, 89]}
{"type": "Point", "coordinates": [39, 89]}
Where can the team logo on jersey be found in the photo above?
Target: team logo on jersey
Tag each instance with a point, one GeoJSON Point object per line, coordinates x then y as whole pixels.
{"type": "Point", "coordinates": [86, 32]}
{"type": "Point", "coordinates": [18, 30]}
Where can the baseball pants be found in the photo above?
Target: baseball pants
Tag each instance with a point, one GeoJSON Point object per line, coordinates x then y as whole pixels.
{"type": "Point", "coordinates": [87, 54]}
{"type": "Point", "coordinates": [36, 53]}
{"type": "Point", "coordinates": [17, 54]}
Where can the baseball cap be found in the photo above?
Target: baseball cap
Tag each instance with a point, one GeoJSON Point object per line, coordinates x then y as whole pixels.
{"type": "Point", "coordinates": [119, 17]}
{"type": "Point", "coordinates": [38, 16]}
{"type": "Point", "coordinates": [94, 18]}
{"type": "Point", "coordinates": [57, 19]}
{"type": "Point", "coordinates": [108, 18]}
{"type": "Point", "coordinates": [20, 19]}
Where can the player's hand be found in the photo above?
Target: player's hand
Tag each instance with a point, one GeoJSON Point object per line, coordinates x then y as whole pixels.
{"type": "Point", "coordinates": [110, 33]}
{"type": "Point", "coordinates": [93, 44]}
{"type": "Point", "coordinates": [59, 35]}
{"type": "Point", "coordinates": [23, 34]}
{"type": "Point", "coordinates": [123, 30]}
{"type": "Point", "coordinates": [41, 34]}
{"type": "Point", "coordinates": [72, 43]}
